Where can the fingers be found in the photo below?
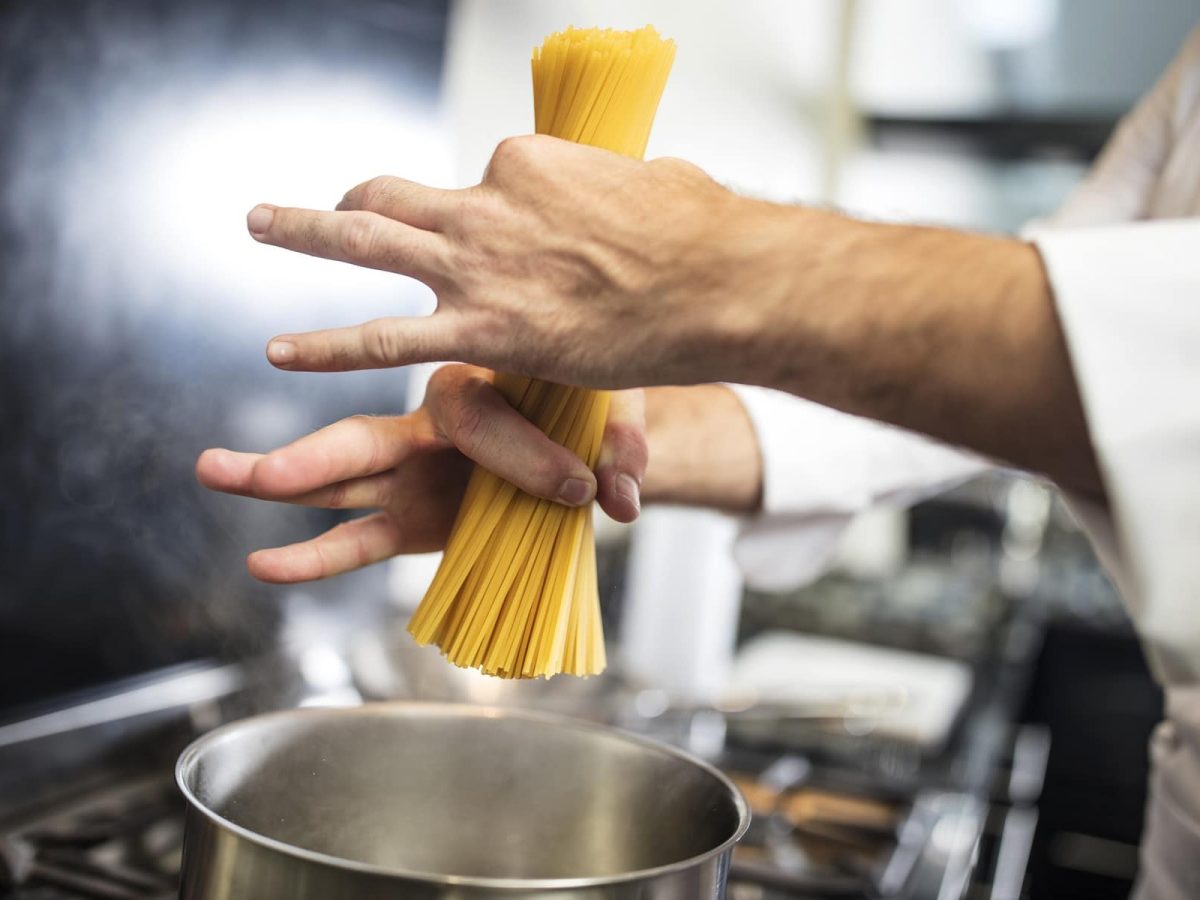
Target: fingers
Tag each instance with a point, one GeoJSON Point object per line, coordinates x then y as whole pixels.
{"type": "Point", "coordinates": [227, 471]}
{"type": "Point", "coordinates": [402, 200]}
{"type": "Point", "coordinates": [233, 473]}
{"type": "Point", "coordinates": [350, 545]}
{"type": "Point", "coordinates": [349, 449]}
{"type": "Point", "coordinates": [359, 237]}
{"type": "Point", "coordinates": [349, 464]}
{"type": "Point", "coordinates": [378, 344]}
{"type": "Point", "coordinates": [472, 414]}
{"type": "Point", "coordinates": [623, 457]}
{"type": "Point", "coordinates": [327, 467]}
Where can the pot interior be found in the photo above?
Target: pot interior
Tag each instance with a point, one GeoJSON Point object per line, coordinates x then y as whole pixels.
{"type": "Point", "coordinates": [455, 791]}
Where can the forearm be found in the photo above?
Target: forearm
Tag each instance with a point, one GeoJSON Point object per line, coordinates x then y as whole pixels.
{"type": "Point", "coordinates": [703, 450]}
{"type": "Point", "coordinates": [948, 333]}
{"type": "Point", "coordinates": [589, 268]}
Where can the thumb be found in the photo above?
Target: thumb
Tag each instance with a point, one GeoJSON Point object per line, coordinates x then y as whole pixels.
{"type": "Point", "coordinates": [623, 456]}
{"type": "Point", "coordinates": [378, 344]}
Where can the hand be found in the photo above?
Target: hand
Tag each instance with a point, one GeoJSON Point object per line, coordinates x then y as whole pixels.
{"type": "Point", "coordinates": [414, 469]}
{"type": "Point", "coordinates": [567, 262]}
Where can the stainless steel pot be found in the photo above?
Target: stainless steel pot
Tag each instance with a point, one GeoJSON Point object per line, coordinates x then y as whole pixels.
{"type": "Point", "coordinates": [422, 801]}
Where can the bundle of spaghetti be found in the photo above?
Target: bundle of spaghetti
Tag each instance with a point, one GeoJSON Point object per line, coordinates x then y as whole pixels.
{"type": "Point", "coordinates": [516, 594]}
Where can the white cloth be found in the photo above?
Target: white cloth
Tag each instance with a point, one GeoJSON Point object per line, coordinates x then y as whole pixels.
{"type": "Point", "coordinates": [820, 469]}
{"type": "Point", "coordinates": [1127, 291]}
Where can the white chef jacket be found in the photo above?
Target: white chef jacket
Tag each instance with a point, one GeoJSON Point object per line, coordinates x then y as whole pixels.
{"type": "Point", "coordinates": [1127, 291]}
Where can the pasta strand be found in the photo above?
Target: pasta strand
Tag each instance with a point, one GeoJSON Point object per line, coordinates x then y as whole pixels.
{"type": "Point", "coordinates": [516, 595]}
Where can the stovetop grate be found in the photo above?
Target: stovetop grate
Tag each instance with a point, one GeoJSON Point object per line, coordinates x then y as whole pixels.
{"type": "Point", "coordinates": [118, 843]}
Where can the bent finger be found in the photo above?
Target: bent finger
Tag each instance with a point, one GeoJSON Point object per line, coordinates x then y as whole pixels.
{"type": "Point", "coordinates": [348, 546]}
{"type": "Point", "coordinates": [349, 449]}
{"type": "Point", "coordinates": [469, 411]}
{"type": "Point", "coordinates": [233, 473]}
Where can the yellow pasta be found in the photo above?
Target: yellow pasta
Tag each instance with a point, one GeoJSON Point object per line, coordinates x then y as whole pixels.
{"type": "Point", "coordinates": [516, 594]}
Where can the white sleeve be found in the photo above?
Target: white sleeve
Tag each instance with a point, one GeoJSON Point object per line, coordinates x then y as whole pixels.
{"type": "Point", "coordinates": [822, 467]}
{"type": "Point", "coordinates": [1129, 300]}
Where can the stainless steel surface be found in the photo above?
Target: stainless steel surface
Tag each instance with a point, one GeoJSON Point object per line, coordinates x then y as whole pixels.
{"type": "Point", "coordinates": [121, 729]}
{"type": "Point", "coordinates": [444, 801]}
{"type": "Point", "coordinates": [1012, 856]}
{"type": "Point", "coordinates": [195, 685]}
{"type": "Point", "coordinates": [387, 664]}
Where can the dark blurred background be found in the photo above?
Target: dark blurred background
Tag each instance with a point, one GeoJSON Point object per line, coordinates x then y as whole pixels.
{"type": "Point", "coordinates": [134, 309]}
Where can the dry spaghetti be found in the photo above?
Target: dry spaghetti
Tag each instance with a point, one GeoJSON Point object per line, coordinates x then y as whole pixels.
{"type": "Point", "coordinates": [516, 593]}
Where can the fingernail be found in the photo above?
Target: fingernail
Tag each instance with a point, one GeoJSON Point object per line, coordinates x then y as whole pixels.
{"type": "Point", "coordinates": [627, 489]}
{"type": "Point", "coordinates": [575, 492]}
{"type": "Point", "coordinates": [259, 220]}
{"type": "Point", "coordinates": [281, 352]}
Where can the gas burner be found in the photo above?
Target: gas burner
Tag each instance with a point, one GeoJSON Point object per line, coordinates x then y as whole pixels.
{"type": "Point", "coordinates": [120, 843]}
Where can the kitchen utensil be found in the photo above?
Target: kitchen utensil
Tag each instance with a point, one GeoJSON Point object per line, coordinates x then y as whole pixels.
{"type": "Point", "coordinates": [423, 801]}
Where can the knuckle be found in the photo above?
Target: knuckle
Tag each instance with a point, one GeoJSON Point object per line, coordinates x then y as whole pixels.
{"type": "Point", "coordinates": [369, 439]}
{"type": "Point", "coordinates": [484, 213]}
{"type": "Point", "coordinates": [467, 206]}
{"type": "Point", "coordinates": [545, 474]}
{"type": "Point", "coordinates": [374, 193]}
{"type": "Point", "coordinates": [338, 495]}
{"type": "Point", "coordinates": [444, 379]}
{"type": "Point", "coordinates": [507, 149]}
{"type": "Point", "coordinates": [359, 237]}
{"type": "Point", "coordinates": [469, 426]}
{"type": "Point", "coordinates": [362, 550]}
{"type": "Point", "coordinates": [512, 153]}
{"type": "Point", "coordinates": [385, 492]}
{"type": "Point", "coordinates": [679, 169]}
{"type": "Point", "coordinates": [629, 445]}
{"type": "Point", "coordinates": [671, 164]}
{"type": "Point", "coordinates": [439, 396]}
{"type": "Point", "coordinates": [472, 404]}
{"type": "Point", "coordinates": [379, 342]}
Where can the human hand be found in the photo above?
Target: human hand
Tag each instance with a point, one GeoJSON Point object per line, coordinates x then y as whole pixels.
{"type": "Point", "coordinates": [414, 468]}
{"type": "Point", "coordinates": [567, 262]}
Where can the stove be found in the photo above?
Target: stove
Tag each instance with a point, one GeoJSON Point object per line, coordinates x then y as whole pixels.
{"type": "Point", "coordinates": [120, 842]}
{"type": "Point", "coordinates": [88, 803]}
{"type": "Point", "coordinates": [89, 808]}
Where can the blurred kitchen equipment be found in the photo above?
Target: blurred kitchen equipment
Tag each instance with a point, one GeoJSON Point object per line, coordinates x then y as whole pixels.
{"type": "Point", "coordinates": [122, 844]}
{"type": "Point", "coordinates": [681, 603]}
{"type": "Point", "coordinates": [441, 801]}
{"type": "Point", "coordinates": [387, 664]}
{"type": "Point", "coordinates": [913, 698]}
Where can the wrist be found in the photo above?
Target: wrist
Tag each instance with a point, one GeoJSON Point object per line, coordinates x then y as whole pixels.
{"type": "Point", "coordinates": [771, 257]}
{"type": "Point", "coordinates": [702, 449]}
{"type": "Point", "coordinates": [823, 277]}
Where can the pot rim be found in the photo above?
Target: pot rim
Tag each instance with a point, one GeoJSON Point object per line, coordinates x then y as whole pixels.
{"type": "Point", "coordinates": [399, 709]}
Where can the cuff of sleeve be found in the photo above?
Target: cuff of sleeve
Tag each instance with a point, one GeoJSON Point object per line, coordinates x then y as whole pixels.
{"type": "Point", "coordinates": [1127, 299]}
{"type": "Point", "coordinates": [812, 487]}
{"type": "Point", "coordinates": [806, 467]}
{"type": "Point", "coordinates": [821, 468]}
